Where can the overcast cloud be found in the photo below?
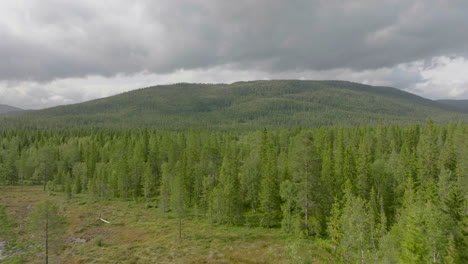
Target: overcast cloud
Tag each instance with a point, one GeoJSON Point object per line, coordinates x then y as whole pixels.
{"type": "Point", "coordinates": [59, 52]}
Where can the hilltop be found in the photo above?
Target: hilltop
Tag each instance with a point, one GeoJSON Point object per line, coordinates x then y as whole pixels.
{"type": "Point", "coordinates": [278, 103]}
{"type": "Point", "coordinates": [4, 109]}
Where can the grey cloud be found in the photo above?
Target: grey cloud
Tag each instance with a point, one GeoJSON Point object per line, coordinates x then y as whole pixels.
{"type": "Point", "coordinates": [434, 83]}
{"type": "Point", "coordinates": [404, 78]}
{"type": "Point", "coordinates": [63, 39]}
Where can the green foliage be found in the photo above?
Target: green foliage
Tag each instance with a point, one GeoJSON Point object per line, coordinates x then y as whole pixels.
{"type": "Point", "coordinates": [257, 104]}
{"type": "Point", "coordinates": [99, 241]}
{"type": "Point", "coordinates": [226, 205]}
{"type": "Point", "coordinates": [452, 256]}
{"type": "Point", "coordinates": [335, 227]}
{"type": "Point", "coordinates": [4, 222]}
{"type": "Point", "coordinates": [288, 195]}
{"type": "Point", "coordinates": [305, 171]}
{"type": "Point", "coordinates": [364, 191]}
{"type": "Point", "coordinates": [269, 196]}
{"type": "Point", "coordinates": [298, 252]}
{"type": "Point", "coordinates": [49, 225]}
{"type": "Point", "coordinates": [459, 104]}
{"type": "Point", "coordinates": [356, 229]}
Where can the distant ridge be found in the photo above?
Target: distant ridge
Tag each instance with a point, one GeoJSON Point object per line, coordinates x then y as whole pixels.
{"type": "Point", "coordinates": [5, 109]}
{"type": "Point", "coordinates": [460, 104]}
{"type": "Point", "coordinates": [254, 104]}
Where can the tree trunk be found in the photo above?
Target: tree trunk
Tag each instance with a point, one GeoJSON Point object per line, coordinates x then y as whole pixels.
{"type": "Point", "coordinates": [180, 227]}
{"type": "Point", "coordinates": [306, 189]}
{"type": "Point", "coordinates": [307, 214]}
{"type": "Point", "coordinates": [45, 182]}
{"type": "Point", "coordinates": [47, 239]}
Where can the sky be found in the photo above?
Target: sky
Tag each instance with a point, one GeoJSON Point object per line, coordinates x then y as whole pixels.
{"type": "Point", "coordinates": [55, 52]}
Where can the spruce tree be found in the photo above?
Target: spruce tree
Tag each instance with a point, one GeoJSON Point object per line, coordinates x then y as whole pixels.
{"type": "Point", "coordinates": [226, 200]}
{"type": "Point", "coordinates": [165, 188]}
{"type": "Point", "coordinates": [452, 256]}
{"type": "Point", "coordinates": [305, 168]}
{"type": "Point", "coordinates": [288, 196]}
{"type": "Point", "coordinates": [149, 182]}
{"type": "Point", "coordinates": [363, 168]}
{"type": "Point", "coordinates": [48, 224]}
{"type": "Point", "coordinates": [179, 193]}
{"type": "Point", "coordinates": [269, 195]}
{"type": "Point", "coordinates": [355, 225]}
{"type": "Point", "coordinates": [427, 153]}
{"type": "Point", "coordinates": [334, 227]}
{"type": "Point", "coordinates": [413, 247]}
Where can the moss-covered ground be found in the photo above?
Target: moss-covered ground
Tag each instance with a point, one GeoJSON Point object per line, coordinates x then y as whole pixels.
{"type": "Point", "coordinates": [139, 233]}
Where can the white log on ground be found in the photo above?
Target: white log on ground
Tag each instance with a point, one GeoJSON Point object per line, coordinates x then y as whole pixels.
{"type": "Point", "coordinates": [105, 221]}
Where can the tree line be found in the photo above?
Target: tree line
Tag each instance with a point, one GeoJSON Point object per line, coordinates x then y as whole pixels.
{"type": "Point", "coordinates": [242, 106]}
{"type": "Point", "coordinates": [394, 194]}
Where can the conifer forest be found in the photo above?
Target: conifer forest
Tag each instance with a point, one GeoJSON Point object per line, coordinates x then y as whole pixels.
{"type": "Point", "coordinates": [234, 132]}
{"type": "Point", "coordinates": [369, 194]}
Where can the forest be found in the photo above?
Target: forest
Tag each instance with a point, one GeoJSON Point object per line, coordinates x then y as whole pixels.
{"type": "Point", "coordinates": [243, 106]}
{"type": "Point", "coordinates": [369, 194]}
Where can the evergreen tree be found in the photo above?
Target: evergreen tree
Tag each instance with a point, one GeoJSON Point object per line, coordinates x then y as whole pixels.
{"type": "Point", "coordinates": [327, 177]}
{"type": "Point", "coordinates": [355, 227]}
{"type": "Point", "coordinates": [339, 156]}
{"type": "Point", "coordinates": [363, 169]}
{"type": "Point", "coordinates": [427, 153]}
{"type": "Point", "coordinates": [226, 202]}
{"type": "Point", "coordinates": [179, 193]}
{"type": "Point", "coordinates": [49, 224]}
{"type": "Point", "coordinates": [454, 208]}
{"type": "Point", "coordinates": [334, 227]}
{"type": "Point", "coordinates": [45, 169]}
{"type": "Point", "coordinates": [149, 182]}
{"type": "Point", "coordinates": [137, 168]}
{"type": "Point", "coordinates": [414, 248]}
{"type": "Point", "coordinates": [269, 195]}
{"type": "Point", "coordinates": [288, 195]}
{"type": "Point", "coordinates": [452, 256]}
{"type": "Point", "coordinates": [406, 168]}
{"type": "Point", "coordinates": [165, 189]}
{"type": "Point", "coordinates": [79, 173]}
{"type": "Point", "coordinates": [349, 166]}
{"type": "Point", "coordinates": [305, 165]}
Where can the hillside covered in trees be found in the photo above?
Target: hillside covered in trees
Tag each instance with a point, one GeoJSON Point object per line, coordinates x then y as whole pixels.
{"type": "Point", "coordinates": [461, 104]}
{"type": "Point", "coordinates": [356, 172]}
{"type": "Point", "coordinates": [4, 109]}
{"type": "Point", "coordinates": [383, 194]}
{"type": "Point", "coordinates": [257, 104]}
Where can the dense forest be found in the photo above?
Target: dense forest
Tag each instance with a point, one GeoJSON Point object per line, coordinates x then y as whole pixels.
{"type": "Point", "coordinates": [243, 106]}
{"type": "Point", "coordinates": [382, 194]}
{"type": "Point", "coordinates": [461, 104]}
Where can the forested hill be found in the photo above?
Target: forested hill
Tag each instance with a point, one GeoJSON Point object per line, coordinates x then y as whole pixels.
{"type": "Point", "coordinates": [279, 103]}
{"type": "Point", "coordinates": [462, 104]}
{"type": "Point", "coordinates": [8, 109]}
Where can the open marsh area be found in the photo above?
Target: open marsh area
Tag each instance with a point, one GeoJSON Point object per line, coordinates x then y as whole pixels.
{"type": "Point", "coordinates": [139, 233]}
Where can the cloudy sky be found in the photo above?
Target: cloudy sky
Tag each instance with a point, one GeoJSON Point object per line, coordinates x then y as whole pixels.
{"type": "Point", "coordinates": [56, 52]}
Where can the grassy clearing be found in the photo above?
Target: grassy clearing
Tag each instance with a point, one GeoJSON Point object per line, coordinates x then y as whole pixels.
{"type": "Point", "coordinates": [145, 235]}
